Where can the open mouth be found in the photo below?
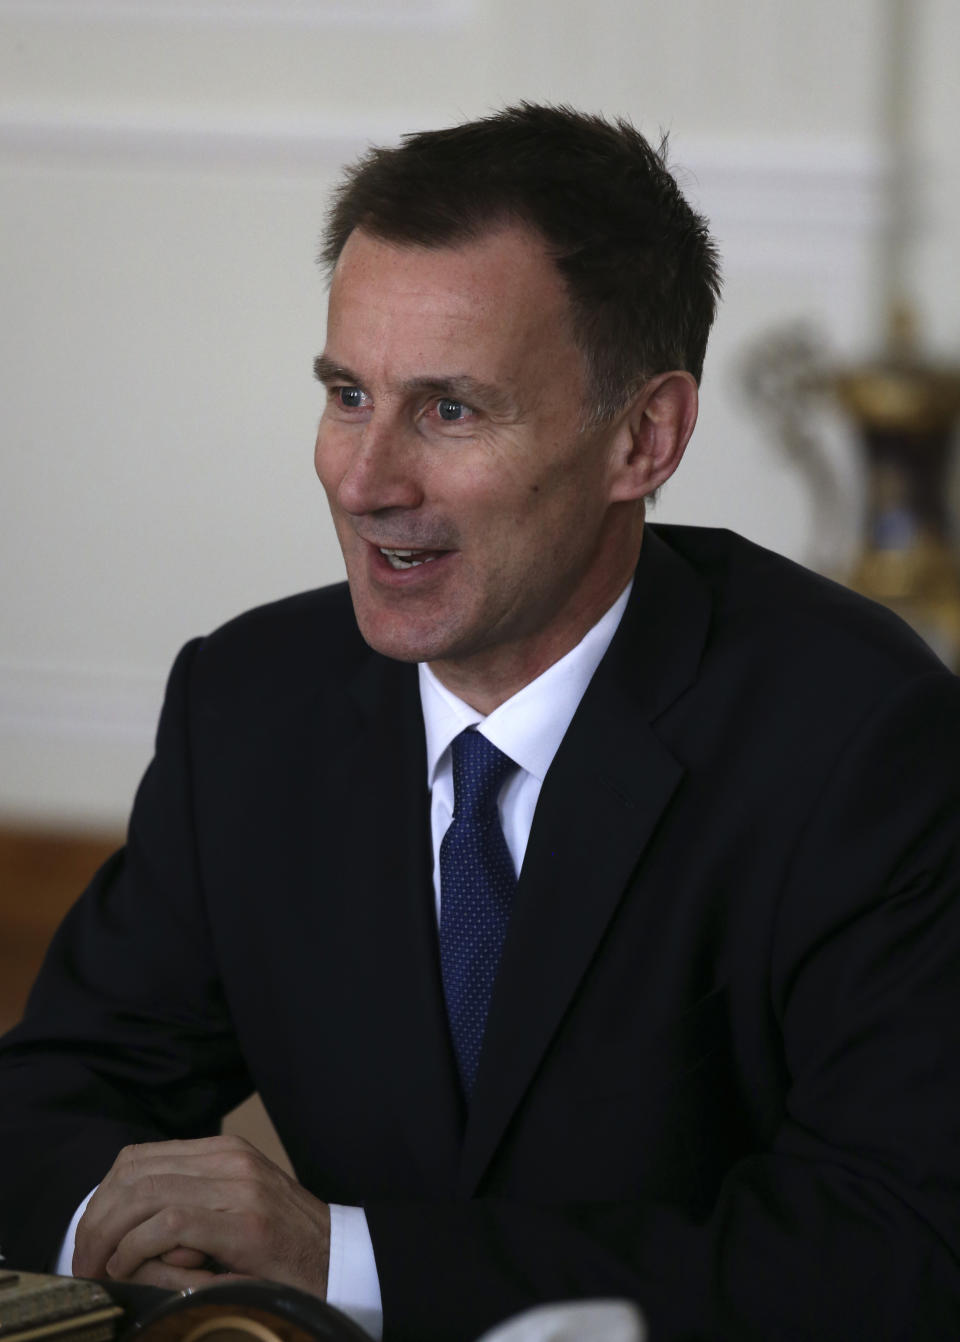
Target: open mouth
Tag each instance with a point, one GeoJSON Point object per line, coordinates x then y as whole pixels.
{"type": "Point", "coordinates": [399, 559]}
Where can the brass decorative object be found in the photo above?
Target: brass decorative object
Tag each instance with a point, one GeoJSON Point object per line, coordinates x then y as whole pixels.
{"type": "Point", "coordinates": [906, 411]}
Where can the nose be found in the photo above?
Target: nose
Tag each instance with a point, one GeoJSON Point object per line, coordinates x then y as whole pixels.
{"type": "Point", "coordinates": [378, 471]}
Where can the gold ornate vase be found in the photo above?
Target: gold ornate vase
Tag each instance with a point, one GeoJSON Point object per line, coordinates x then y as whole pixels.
{"type": "Point", "coordinates": [906, 411]}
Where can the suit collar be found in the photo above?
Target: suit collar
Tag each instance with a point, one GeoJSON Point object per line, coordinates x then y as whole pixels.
{"type": "Point", "coordinates": [656, 654]}
{"type": "Point", "coordinates": [606, 790]}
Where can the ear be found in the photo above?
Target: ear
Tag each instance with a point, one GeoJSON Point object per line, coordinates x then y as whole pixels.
{"type": "Point", "coordinates": [653, 434]}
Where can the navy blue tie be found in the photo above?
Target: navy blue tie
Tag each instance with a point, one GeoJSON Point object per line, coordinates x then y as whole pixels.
{"type": "Point", "coordinates": [477, 885]}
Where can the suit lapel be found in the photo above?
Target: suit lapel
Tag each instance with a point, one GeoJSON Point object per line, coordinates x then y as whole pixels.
{"type": "Point", "coordinates": [381, 818]}
{"type": "Point", "coordinates": [601, 800]}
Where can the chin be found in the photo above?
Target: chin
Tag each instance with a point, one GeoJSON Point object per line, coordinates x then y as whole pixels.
{"type": "Point", "coordinates": [396, 650]}
{"type": "Point", "coordinates": [402, 644]}
{"type": "Point", "coordinates": [405, 634]}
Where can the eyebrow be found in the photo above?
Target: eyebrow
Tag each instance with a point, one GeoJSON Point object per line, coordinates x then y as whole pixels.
{"type": "Point", "coordinates": [328, 370]}
{"type": "Point", "coordinates": [456, 386]}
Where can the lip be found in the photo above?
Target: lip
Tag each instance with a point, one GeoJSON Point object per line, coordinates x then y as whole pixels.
{"type": "Point", "coordinates": [383, 572]}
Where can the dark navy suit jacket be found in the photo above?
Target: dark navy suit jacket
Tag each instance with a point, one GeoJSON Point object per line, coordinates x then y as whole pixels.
{"type": "Point", "coordinates": [721, 1073]}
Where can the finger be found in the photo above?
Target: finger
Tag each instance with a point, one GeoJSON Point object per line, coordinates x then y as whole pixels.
{"type": "Point", "coordinates": [177, 1149]}
{"type": "Point", "coordinates": [111, 1213]}
{"type": "Point", "coordinates": [187, 1258]}
{"type": "Point", "coordinates": [116, 1210]}
{"type": "Point", "coordinates": [171, 1232]}
{"type": "Point", "coordinates": [218, 1156]}
{"type": "Point", "coordinates": [157, 1273]}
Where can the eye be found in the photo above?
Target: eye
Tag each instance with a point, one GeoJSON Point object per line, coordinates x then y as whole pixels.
{"type": "Point", "coordinates": [451, 411]}
{"type": "Point", "coordinates": [351, 398]}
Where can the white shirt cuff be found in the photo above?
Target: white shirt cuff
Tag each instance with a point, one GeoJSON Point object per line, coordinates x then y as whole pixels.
{"type": "Point", "coordinates": [64, 1265]}
{"type": "Point", "coordinates": [353, 1284]}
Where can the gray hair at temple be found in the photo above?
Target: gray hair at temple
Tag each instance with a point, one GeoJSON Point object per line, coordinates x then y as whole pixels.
{"type": "Point", "coordinates": [639, 265]}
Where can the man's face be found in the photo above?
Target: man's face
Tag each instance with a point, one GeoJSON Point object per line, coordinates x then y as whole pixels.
{"type": "Point", "coordinates": [473, 512]}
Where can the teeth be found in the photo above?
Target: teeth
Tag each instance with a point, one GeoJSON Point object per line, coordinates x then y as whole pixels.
{"type": "Point", "coordinates": [402, 558]}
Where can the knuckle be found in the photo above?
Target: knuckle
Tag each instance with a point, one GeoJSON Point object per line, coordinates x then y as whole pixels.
{"type": "Point", "coordinates": [133, 1152]}
{"type": "Point", "coordinates": [230, 1141]}
{"type": "Point", "coordinates": [127, 1166]}
{"type": "Point", "coordinates": [241, 1164]}
{"type": "Point", "coordinates": [173, 1220]}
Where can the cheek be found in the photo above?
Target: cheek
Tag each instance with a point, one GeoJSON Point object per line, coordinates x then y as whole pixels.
{"type": "Point", "coordinates": [565, 487]}
{"type": "Point", "coordinates": [319, 456]}
{"type": "Point", "coordinates": [329, 460]}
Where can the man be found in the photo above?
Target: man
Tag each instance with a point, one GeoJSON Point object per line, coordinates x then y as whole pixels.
{"type": "Point", "coordinates": [701, 1053]}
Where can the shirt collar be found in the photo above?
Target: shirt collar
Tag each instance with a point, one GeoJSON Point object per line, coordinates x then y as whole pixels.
{"type": "Point", "coordinates": [530, 725]}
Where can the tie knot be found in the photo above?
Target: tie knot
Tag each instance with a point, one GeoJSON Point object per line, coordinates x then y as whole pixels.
{"type": "Point", "coordinates": [479, 769]}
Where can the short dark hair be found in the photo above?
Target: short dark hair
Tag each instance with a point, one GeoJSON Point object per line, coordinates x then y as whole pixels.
{"type": "Point", "coordinates": [640, 267]}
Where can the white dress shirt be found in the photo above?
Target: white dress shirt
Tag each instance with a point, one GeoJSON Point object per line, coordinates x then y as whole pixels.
{"type": "Point", "coordinates": [528, 727]}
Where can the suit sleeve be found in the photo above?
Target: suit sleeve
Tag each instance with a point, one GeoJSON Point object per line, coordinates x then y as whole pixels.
{"type": "Point", "coordinates": [846, 1225]}
{"type": "Point", "coordinates": [126, 1036]}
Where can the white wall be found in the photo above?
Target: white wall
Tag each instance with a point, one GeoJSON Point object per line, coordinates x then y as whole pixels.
{"type": "Point", "coordinates": [164, 166]}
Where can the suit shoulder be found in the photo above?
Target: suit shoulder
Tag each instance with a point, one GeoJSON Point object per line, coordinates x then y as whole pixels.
{"type": "Point", "coordinates": [787, 611]}
{"type": "Point", "coordinates": [286, 646]}
{"type": "Point", "coordinates": [298, 616]}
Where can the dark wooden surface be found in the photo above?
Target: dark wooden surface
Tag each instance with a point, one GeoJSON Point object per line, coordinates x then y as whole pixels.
{"type": "Point", "coordinates": [41, 874]}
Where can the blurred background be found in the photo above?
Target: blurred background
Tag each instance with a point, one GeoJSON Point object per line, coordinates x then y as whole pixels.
{"type": "Point", "coordinates": [164, 170]}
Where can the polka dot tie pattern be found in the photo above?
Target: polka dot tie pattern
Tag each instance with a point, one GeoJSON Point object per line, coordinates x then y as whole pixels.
{"type": "Point", "coordinates": [477, 886]}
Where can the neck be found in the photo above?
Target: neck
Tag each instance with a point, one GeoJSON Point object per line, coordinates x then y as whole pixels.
{"type": "Point", "coordinates": [492, 676]}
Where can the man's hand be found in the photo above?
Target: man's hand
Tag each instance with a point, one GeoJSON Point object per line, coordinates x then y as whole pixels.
{"type": "Point", "coordinates": [167, 1210]}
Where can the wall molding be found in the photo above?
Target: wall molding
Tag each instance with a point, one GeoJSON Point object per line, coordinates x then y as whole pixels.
{"type": "Point", "coordinates": [750, 189]}
{"type": "Point", "coordinates": [380, 14]}
{"type": "Point", "coordinates": [839, 184]}
{"type": "Point", "coordinates": [38, 139]}
{"type": "Point", "coordinates": [790, 208]}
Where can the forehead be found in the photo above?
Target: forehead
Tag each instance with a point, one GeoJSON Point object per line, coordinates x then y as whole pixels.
{"type": "Point", "coordinates": [491, 301]}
